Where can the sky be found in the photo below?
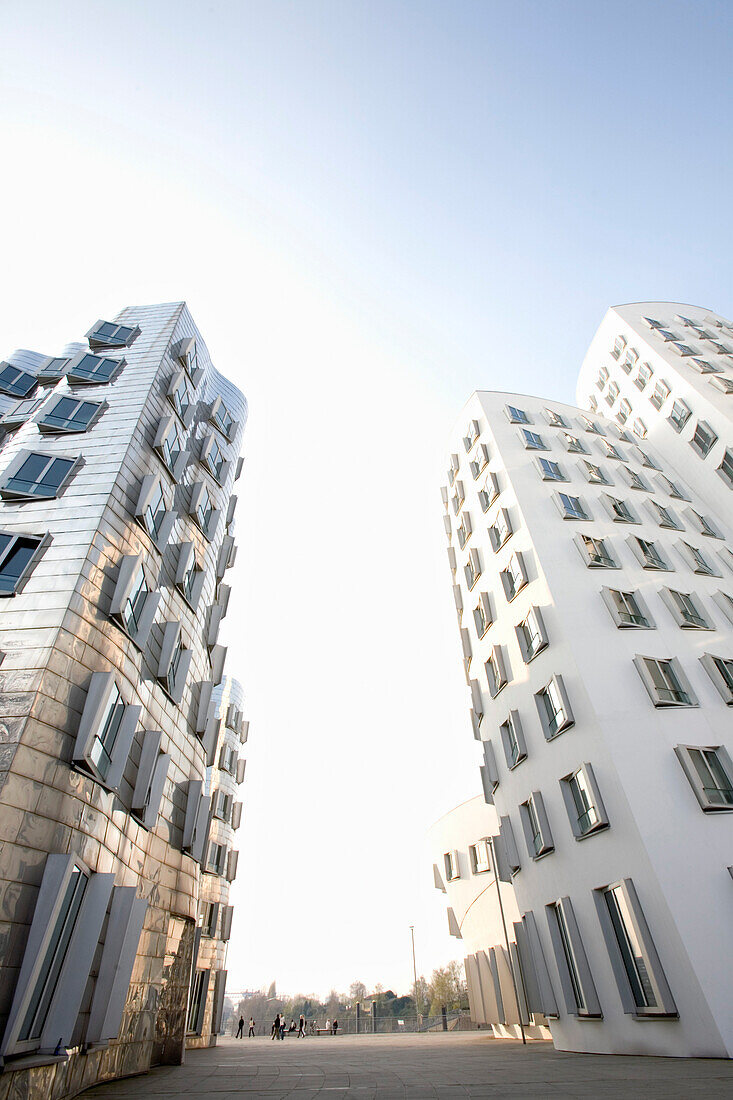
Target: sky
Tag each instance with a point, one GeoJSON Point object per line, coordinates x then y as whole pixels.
{"type": "Point", "coordinates": [372, 209]}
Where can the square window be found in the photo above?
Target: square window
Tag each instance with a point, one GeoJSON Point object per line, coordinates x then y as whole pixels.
{"type": "Point", "coordinates": [472, 569]}
{"type": "Point", "coordinates": [33, 474]}
{"type": "Point", "coordinates": [69, 414]}
{"type": "Point", "coordinates": [533, 441]}
{"type": "Point", "coordinates": [619, 510]}
{"type": "Point", "coordinates": [108, 334]}
{"type": "Point", "coordinates": [619, 344]}
{"type": "Point", "coordinates": [643, 376]}
{"type": "Point", "coordinates": [679, 415]}
{"type": "Point", "coordinates": [665, 681]}
{"type": "Point", "coordinates": [554, 708]}
{"type": "Point", "coordinates": [517, 416]}
{"type": "Point", "coordinates": [571, 507]}
{"type": "Point", "coordinates": [512, 737]}
{"type": "Point", "coordinates": [627, 608]}
{"type": "Point", "coordinates": [514, 577]}
{"type": "Point", "coordinates": [501, 530]}
{"type": "Point", "coordinates": [16, 382]}
{"type": "Point", "coordinates": [665, 517]}
{"type": "Point", "coordinates": [18, 555]}
{"type": "Point", "coordinates": [480, 857]}
{"type": "Point", "coordinates": [720, 671]}
{"type": "Point", "coordinates": [482, 614]}
{"type": "Point", "coordinates": [555, 420]}
{"type": "Point", "coordinates": [489, 493]}
{"type": "Point", "coordinates": [496, 673]}
{"type": "Point", "coordinates": [596, 552]}
{"type": "Point", "coordinates": [624, 411]}
{"type": "Point", "coordinates": [696, 560]}
{"type": "Point", "coordinates": [531, 635]}
{"type": "Point", "coordinates": [725, 470]}
{"type": "Point", "coordinates": [92, 370]}
{"type": "Point", "coordinates": [685, 609]}
{"type": "Point", "coordinates": [612, 394]}
{"type": "Point", "coordinates": [472, 436]}
{"type": "Point", "coordinates": [648, 553]}
{"type": "Point", "coordinates": [594, 474]}
{"type": "Point", "coordinates": [536, 826]}
{"type": "Point", "coordinates": [704, 439]}
{"type": "Point", "coordinates": [550, 471]}
{"type": "Point", "coordinates": [660, 395]}
{"type": "Point", "coordinates": [583, 802]}
{"type": "Point", "coordinates": [573, 445]}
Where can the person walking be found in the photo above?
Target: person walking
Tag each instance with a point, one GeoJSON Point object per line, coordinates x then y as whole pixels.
{"type": "Point", "coordinates": [301, 1027]}
{"type": "Point", "coordinates": [335, 1027]}
{"type": "Point", "coordinates": [328, 1027]}
{"type": "Point", "coordinates": [276, 1027]}
{"type": "Point", "coordinates": [251, 1028]}
{"type": "Point", "coordinates": [240, 1029]}
{"type": "Point", "coordinates": [282, 1027]}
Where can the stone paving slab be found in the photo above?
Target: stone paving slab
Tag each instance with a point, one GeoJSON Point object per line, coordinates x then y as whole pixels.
{"type": "Point", "coordinates": [420, 1067]}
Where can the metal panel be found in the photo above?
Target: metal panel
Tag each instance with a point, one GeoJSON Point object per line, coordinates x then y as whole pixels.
{"type": "Point", "coordinates": [127, 914]}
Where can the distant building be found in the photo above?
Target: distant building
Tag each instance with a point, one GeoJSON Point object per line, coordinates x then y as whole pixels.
{"type": "Point", "coordinates": [116, 476]}
{"type": "Point", "coordinates": [593, 578]}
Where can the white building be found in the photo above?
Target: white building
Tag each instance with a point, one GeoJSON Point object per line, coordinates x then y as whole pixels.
{"type": "Point", "coordinates": [594, 590]}
{"type": "Point", "coordinates": [482, 913]}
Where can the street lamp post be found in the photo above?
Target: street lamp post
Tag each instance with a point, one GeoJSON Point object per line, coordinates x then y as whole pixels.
{"type": "Point", "coordinates": [414, 969]}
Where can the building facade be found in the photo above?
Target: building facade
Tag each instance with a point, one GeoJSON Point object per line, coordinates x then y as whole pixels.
{"type": "Point", "coordinates": [482, 913]}
{"type": "Point", "coordinates": [594, 592]}
{"type": "Point", "coordinates": [223, 778]}
{"type": "Point", "coordinates": [117, 467]}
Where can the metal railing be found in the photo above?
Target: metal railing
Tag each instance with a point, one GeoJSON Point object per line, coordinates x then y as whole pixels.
{"type": "Point", "coordinates": [368, 1024]}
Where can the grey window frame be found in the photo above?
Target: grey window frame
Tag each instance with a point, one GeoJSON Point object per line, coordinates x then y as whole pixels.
{"type": "Point", "coordinates": [510, 590]}
{"type": "Point", "coordinates": [97, 340]}
{"type": "Point", "coordinates": [483, 615]}
{"type": "Point", "coordinates": [50, 429]}
{"type": "Point", "coordinates": [702, 525]}
{"type": "Point", "coordinates": [486, 497]}
{"type": "Point", "coordinates": [516, 415]}
{"type": "Point", "coordinates": [17, 463]}
{"type": "Point", "coordinates": [550, 475]}
{"type": "Point", "coordinates": [664, 516]}
{"type": "Point", "coordinates": [608, 563]}
{"type": "Point", "coordinates": [472, 569]}
{"type": "Point", "coordinates": [159, 537]}
{"type": "Point", "coordinates": [173, 652]}
{"type": "Point", "coordinates": [170, 427]}
{"type": "Point", "coordinates": [186, 352]}
{"type": "Point", "coordinates": [574, 445]}
{"type": "Point", "coordinates": [610, 504]}
{"type": "Point", "coordinates": [725, 470]}
{"type": "Point", "coordinates": [102, 689]}
{"type": "Point", "coordinates": [724, 763]}
{"type": "Point", "coordinates": [509, 846]}
{"type": "Point", "coordinates": [692, 618]}
{"type": "Point", "coordinates": [673, 666]}
{"type": "Point", "coordinates": [470, 440]}
{"type": "Point", "coordinates": [549, 727]}
{"type": "Point", "coordinates": [464, 529]}
{"type": "Point", "coordinates": [634, 480]}
{"type": "Point", "coordinates": [209, 526]}
{"type": "Point", "coordinates": [497, 671]}
{"type": "Point", "coordinates": [43, 542]}
{"type": "Point", "coordinates": [501, 530]}
{"type": "Point", "coordinates": [21, 412]}
{"type": "Point", "coordinates": [152, 773]}
{"type": "Point", "coordinates": [489, 772]}
{"type": "Point", "coordinates": [128, 572]}
{"type": "Point", "coordinates": [624, 410]}
{"type": "Point", "coordinates": [513, 740]}
{"type": "Point", "coordinates": [219, 471]}
{"type": "Point", "coordinates": [6, 387]}
{"type": "Point", "coordinates": [719, 679]}
{"type": "Point", "coordinates": [228, 427]}
{"type": "Point", "coordinates": [532, 441]}
{"type": "Point", "coordinates": [679, 414]}
{"type": "Point", "coordinates": [536, 826]}
{"type": "Point", "coordinates": [617, 614]}
{"type": "Point", "coordinates": [555, 419]}
{"type": "Point", "coordinates": [656, 563]}
{"type": "Point", "coordinates": [197, 821]}
{"type": "Point", "coordinates": [576, 980]}
{"type": "Point", "coordinates": [593, 473]}
{"type": "Point", "coordinates": [540, 633]}
{"type": "Point", "coordinates": [595, 803]}
{"type": "Point", "coordinates": [574, 509]}
{"type": "Point", "coordinates": [473, 851]}
{"type": "Point", "coordinates": [653, 971]}
{"type": "Point", "coordinates": [480, 461]}
{"type": "Point", "coordinates": [708, 438]}
{"type": "Point", "coordinates": [695, 559]}
{"type": "Point", "coordinates": [177, 380]}
{"type": "Point", "coordinates": [186, 564]}
{"type": "Point", "coordinates": [459, 497]}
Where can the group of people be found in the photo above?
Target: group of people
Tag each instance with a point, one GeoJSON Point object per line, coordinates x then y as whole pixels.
{"type": "Point", "coordinates": [279, 1027]}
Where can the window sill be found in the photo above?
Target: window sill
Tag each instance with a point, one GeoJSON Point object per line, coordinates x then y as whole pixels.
{"type": "Point", "coordinates": [592, 832]}
{"type": "Point", "coordinates": [31, 1061]}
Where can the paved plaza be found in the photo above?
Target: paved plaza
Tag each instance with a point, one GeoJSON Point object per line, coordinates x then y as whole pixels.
{"type": "Point", "coordinates": [419, 1067]}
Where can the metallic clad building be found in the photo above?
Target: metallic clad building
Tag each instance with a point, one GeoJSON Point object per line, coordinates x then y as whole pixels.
{"type": "Point", "coordinates": [116, 475]}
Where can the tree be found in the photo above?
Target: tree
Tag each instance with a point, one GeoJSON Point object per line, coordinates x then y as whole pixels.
{"type": "Point", "coordinates": [358, 991]}
{"type": "Point", "coordinates": [447, 988]}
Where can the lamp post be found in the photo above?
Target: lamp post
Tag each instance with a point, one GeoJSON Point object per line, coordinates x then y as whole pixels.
{"type": "Point", "coordinates": [414, 969]}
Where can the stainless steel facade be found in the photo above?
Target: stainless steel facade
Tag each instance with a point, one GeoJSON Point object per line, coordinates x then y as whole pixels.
{"type": "Point", "coordinates": [106, 720]}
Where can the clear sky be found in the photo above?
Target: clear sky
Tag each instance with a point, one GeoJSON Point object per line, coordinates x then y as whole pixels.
{"type": "Point", "coordinates": [372, 209]}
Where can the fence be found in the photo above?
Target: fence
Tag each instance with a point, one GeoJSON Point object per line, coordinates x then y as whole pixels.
{"type": "Point", "coordinates": [367, 1024]}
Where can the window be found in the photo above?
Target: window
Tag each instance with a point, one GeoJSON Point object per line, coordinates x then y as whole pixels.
{"type": "Point", "coordinates": [489, 773]}
{"type": "Point", "coordinates": [92, 370]}
{"type": "Point", "coordinates": [612, 394]}
{"type": "Point", "coordinates": [197, 1001]}
{"type": "Point", "coordinates": [209, 918]}
{"type": "Point", "coordinates": [480, 461]}
{"type": "Point", "coordinates": [222, 418]}
{"type": "Point", "coordinates": [571, 507]}
{"type": "Point", "coordinates": [480, 857]}
{"type": "Point", "coordinates": [531, 635]}
{"type": "Point", "coordinates": [627, 608]}
{"type": "Point", "coordinates": [450, 862]}
{"type": "Point", "coordinates": [583, 802]}
{"type": "Point", "coordinates": [186, 353]}
{"type": "Point", "coordinates": [514, 577]}
{"type": "Point", "coordinates": [648, 554]}
{"type": "Point", "coordinates": [673, 488]}
{"type": "Point", "coordinates": [555, 420]}
{"type": "Point", "coordinates": [679, 415]}
{"type": "Point", "coordinates": [550, 471]}
{"type": "Point", "coordinates": [624, 411]}
{"type": "Point", "coordinates": [554, 708]}
{"type": "Point", "coordinates": [634, 480]}
{"type": "Point", "coordinates": [665, 517]}
{"type": "Point", "coordinates": [682, 349]}
{"type": "Point", "coordinates": [171, 446]}
{"type": "Point", "coordinates": [703, 525]}
{"type": "Point", "coordinates": [107, 334]}
{"type": "Point", "coordinates": [69, 414]}
{"type": "Point", "coordinates": [696, 560]}
{"type": "Point", "coordinates": [609, 450]}
{"type": "Point", "coordinates": [704, 439]}
{"type": "Point", "coordinates": [619, 510]}
{"type": "Point", "coordinates": [472, 569]}
{"type": "Point", "coordinates": [496, 674]}
{"type": "Point", "coordinates": [645, 459]}
{"type": "Point", "coordinates": [592, 403]}
{"type": "Point", "coordinates": [536, 826]}
{"type": "Point", "coordinates": [214, 458]}
{"type": "Point", "coordinates": [533, 441]}
{"type": "Point", "coordinates": [630, 360]}
{"type": "Point", "coordinates": [579, 991]}
{"type": "Point", "coordinates": [665, 681]}
{"type": "Point", "coordinates": [501, 530]}
{"type": "Point", "coordinates": [508, 848]}
{"type": "Point", "coordinates": [216, 858]}
{"type": "Point", "coordinates": [590, 425]}
{"type": "Point", "coordinates": [134, 603]}
{"type": "Point", "coordinates": [517, 416]}
{"type": "Point", "coordinates": [660, 395]}
{"type": "Point", "coordinates": [602, 378]}
{"type": "Point", "coordinates": [18, 555]}
{"type": "Point", "coordinates": [618, 347]}
{"type": "Point", "coordinates": [106, 730]}
{"type": "Point", "coordinates": [643, 376]}
{"type": "Point", "coordinates": [684, 608]}
{"type": "Point", "coordinates": [595, 552]}
{"type": "Point", "coordinates": [33, 474]}
{"type": "Point", "coordinates": [152, 773]}
{"type": "Point", "coordinates": [473, 433]}
{"type": "Point", "coordinates": [637, 969]}
{"type": "Point", "coordinates": [20, 412]}
{"type": "Point", "coordinates": [725, 470]}
{"type": "Point", "coordinates": [710, 773]}
{"type": "Point", "coordinates": [179, 396]}
{"type": "Point", "coordinates": [189, 574]}
{"type": "Point", "coordinates": [512, 737]}
{"type": "Point", "coordinates": [482, 614]}
{"type": "Point", "coordinates": [15, 382]}
{"type": "Point", "coordinates": [453, 469]}
{"type": "Point", "coordinates": [174, 661]}
{"type": "Point", "coordinates": [464, 530]}
{"type": "Point", "coordinates": [489, 493]}
{"type": "Point", "coordinates": [640, 428]}
{"type": "Point", "coordinates": [650, 321]}
{"type": "Point", "coordinates": [594, 474]}
{"type": "Point", "coordinates": [458, 498]}
{"type": "Point", "coordinates": [573, 444]}
{"type": "Point", "coordinates": [202, 509]}
{"type": "Point", "coordinates": [720, 671]}
{"type": "Point", "coordinates": [154, 510]}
